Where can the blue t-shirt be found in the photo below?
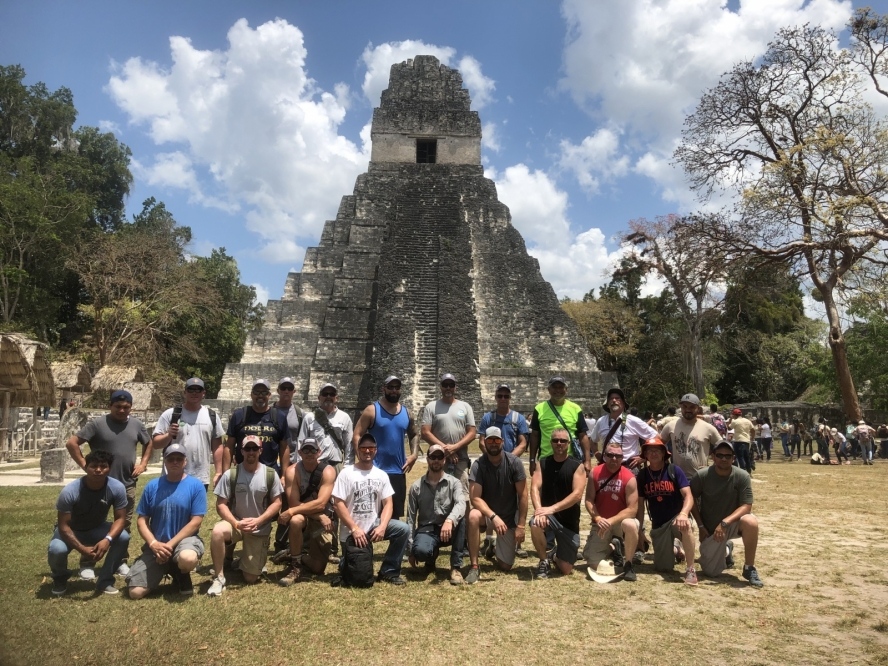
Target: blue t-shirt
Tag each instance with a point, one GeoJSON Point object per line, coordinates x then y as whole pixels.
{"type": "Point", "coordinates": [169, 505]}
{"type": "Point", "coordinates": [664, 498]}
{"type": "Point", "coordinates": [504, 423]}
{"type": "Point", "coordinates": [389, 432]}
{"type": "Point", "coordinates": [89, 508]}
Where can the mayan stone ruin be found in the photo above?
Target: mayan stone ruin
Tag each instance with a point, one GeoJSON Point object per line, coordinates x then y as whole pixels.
{"type": "Point", "coordinates": [420, 273]}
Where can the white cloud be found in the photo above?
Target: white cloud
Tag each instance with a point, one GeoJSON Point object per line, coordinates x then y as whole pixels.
{"type": "Point", "coordinates": [252, 118]}
{"type": "Point", "coordinates": [597, 159]}
{"type": "Point", "coordinates": [109, 126]}
{"type": "Point", "coordinates": [490, 137]}
{"type": "Point", "coordinates": [379, 60]}
{"type": "Point", "coordinates": [261, 293]}
{"type": "Point", "coordinates": [641, 65]}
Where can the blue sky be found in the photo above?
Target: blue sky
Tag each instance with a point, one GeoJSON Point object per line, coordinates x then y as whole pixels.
{"type": "Point", "coordinates": [251, 120]}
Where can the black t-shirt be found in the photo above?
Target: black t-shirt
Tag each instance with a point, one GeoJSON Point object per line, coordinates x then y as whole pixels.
{"type": "Point", "coordinates": [558, 484]}
{"type": "Point", "coordinates": [270, 426]}
{"type": "Point", "coordinates": [498, 484]}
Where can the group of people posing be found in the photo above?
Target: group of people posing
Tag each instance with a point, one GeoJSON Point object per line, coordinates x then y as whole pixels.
{"type": "Point", "coordinates": [324, 489]}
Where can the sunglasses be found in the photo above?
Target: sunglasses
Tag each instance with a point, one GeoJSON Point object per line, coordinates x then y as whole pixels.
{"type": "Point", "coordinates": [366, 448]}
{"type": "Point", "coordinates": [286, 388]}
{"type": "Point", "coordinates": [724, 456]}
{"type": "Point", "coordinates": [437, 456]}
{"type": "Point", "coordinates": [262, 393]}
{"type": "Point", "coordinates": [327, 394]}
{"type": "Point", "coordinates": [308, 449]}
{"type": "Point", "coordinates": [503, 397]}
{"type": "Point", "coordinates": [194, 389]}
{"type": "Point", "coordinates": [613, 456]}
{"type": "Point", "coordinates": [494, 440]}
{"type": "Point", "coordinates": [448, 385]}
{"type": "Point", "coordinates": [251, 447]}
{"type": "Point", "coordinates": [558, 440]}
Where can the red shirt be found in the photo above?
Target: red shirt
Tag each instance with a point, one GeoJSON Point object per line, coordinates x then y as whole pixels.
{"type": "Point", "coordinates": [611, 499]}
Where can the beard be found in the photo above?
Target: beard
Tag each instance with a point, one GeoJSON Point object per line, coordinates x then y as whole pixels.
{"type": "Point", "coordinates": [392, 398]}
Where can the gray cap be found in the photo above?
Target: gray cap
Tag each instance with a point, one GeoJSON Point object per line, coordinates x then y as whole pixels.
{"type": "Point", "coordinates": [723, 443]}
{"type": "Point", "coordinates": [691, 398]}
{"type": "Point", "coordinates": [390, 379]}
{"type": "Point", "coordinates": [262, 382]}
{"type": "Point", "coordinates": [504, 386]}
{"type": "Point", "coordinates": [309, 441]}
{"type": "Point", "coordinates": [195, 381]}
{"type": "Point", "coordinates": [175, 448]}
{"type": "Point", "coordinates": [329, 385]}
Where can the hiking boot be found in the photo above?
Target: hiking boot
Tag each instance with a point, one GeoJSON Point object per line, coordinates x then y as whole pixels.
{"type": "Point", "coordinates": [291, 575]}
{"type": "Point", "coordinates": [332, 559]}
{"type": "Point", "coordinates": [520, 552]}
{"type": "Point", "coordinates": [182, 580]}
{"type": "Point", "coordinates": [629, 572]}
{"type": "Point", "coordinates": [638, 558]}
{"type": "Point", "coordinates": [752, 575]}
{"type": "Point", "coordinates": [489, 549]}
{"type": "Point", "coordinates": [87, 573]}
{"type": "Point", "coordinates": [473, 576]}
{"type": "Point", "coordinates": [690, 577]}
{"type": "Point", "coordinates": [217, 587]}
{"type": "Point", "coordinates": [123, 570]}
{"type": "Point", "coordinates": [617, 555]}
{"type": "Point", "coordinates": [391, 579]}
{"type": "Point", "coordinates": [107, 589]}
{"type": "Point", "coordinates": [281, 557]}
{"type": "Point", "coordinates": [456, 577]}
{"type": "Point", "coordinates": [729, 558]}
{"type": "Point", "coordinates": [542, 569]}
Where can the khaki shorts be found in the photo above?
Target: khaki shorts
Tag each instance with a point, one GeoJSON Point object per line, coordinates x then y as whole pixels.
{"type": "Point", "coordinates": [460, 470]}
{"type": "Point", "coordinates": [147, 572]}
{"type": "Point", "coordinates": [713, 553]}
{"type": "Point", "coordinates": [254, 551]}
{"type": "Point", "coordinates": [319, 543]}
{"type": "Point", "coordinates": [598, 548]}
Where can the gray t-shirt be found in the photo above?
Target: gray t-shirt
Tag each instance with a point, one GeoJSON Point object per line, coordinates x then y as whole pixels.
{"type": "Point", "coordinates": [251, 494]}
{"type": "Point", "coordinates": [118, 438]}
{"type": "Point", "coordinates": [449, 422]}
{"type": "Point", "coordinates": [196, 433]}
{"type": "Point", "coordinates": [89, 508]}
{"type": "Point", "coordinates": [498, 484]}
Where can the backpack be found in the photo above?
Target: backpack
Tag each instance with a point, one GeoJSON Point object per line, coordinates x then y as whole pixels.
{"type": "Point", "coordinates": [718, 421]}
{"type": "Point", "coordinates": [512, 422]}
{"type": "Point", "coordinates": [232, 483]}
{"type": "Point", "coordinates": [357, 564]}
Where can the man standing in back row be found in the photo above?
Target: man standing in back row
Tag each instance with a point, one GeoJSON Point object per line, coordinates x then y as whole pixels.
{"type": "Point", "coordinates": [691, 439]}
{"type": "Point", "coordinates": [558, 412]}
{"type": "Point", "coordinates": [450, 423]}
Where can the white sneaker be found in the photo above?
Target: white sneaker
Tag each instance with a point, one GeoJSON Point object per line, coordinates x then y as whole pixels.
{"type": "Point", "coordinates": [217, 587]}
{"type": "Point", "coordinates": [87, 573]}
{"type": "Point", "coordinates": [123, 569]}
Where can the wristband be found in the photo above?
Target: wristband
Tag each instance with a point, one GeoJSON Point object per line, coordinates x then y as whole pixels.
{"type": "Point", "coordinates": [110, 538]}
{"type": "Point", "coordinates": [152, 543]}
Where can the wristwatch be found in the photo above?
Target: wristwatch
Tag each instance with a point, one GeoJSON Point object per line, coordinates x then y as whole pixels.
{"type": "Point", "coordinates": [724, 525]}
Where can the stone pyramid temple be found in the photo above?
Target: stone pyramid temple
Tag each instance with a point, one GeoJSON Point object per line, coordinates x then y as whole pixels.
{"type": "Point", "coordinates": [420, 273]}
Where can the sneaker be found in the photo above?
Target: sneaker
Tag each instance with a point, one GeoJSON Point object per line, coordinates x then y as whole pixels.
{"type": "Point", "coordinates": [332, 559]}
{"type": "Point", "coordinates": [182, 579]}
{"type": "Point", "coordinates": [87, 573]}
{"type": "Point", "coordinates": [629, 572]}
{"type": "Point", "coordinates": [59, 587]}
{"type": "Point", "coordinates": [281, 557]}
{"type": "Point", "coordinates": [473, 576]}
{"type": "Point", "coordinates": [123, 570]}
{"type": "Point", "coordinates": [617, 555]}
{"type": "Point", "coordinates": [690, 577]}
{"type": "Point", "coordinates": [336, 582]}
{"type": "Point", "coordinates": [520, 552]}
{"type": "Point", "coordinates": [638, 558]}
{"type": "Point", "coordinates": [729, 558]}
{"type": "Point", "coordinates": [489, 550]}
{"type": "Point", "coordinates": [752, 575]}
{"type": "Point", "coordinates": [291, 575]}
{"type": "Point", "coordinates": [217, 587]}
{"type": "Point", "coordinates": [542, 569]}
{"type": "Point", "coordinates": [391, 580]}
{"type": "Point", "coordinates": [456, 577]}
{"type": "Point", "coordinates": [108, 589]}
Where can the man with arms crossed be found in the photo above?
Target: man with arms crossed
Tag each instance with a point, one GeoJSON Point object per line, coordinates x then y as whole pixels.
{"type": "Point", "coordinates": [612, 501]}
{"type": "Point", "coordinates": [498, 492]}
{"type": "Point", "coordinates": [248, 503]}
{"type": "Point", "coordinates": [556, 490]}
{"type": "Point", "coordinates": [309, 487]}
{"type": "Point", "coordinates": [83, 526]}
{"type": "Point", "coordinates": [723, 511]}
{"type": "Point", "coordinates": [435, 512]}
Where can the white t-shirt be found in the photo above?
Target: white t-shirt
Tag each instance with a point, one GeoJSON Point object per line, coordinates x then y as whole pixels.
{"type": "Point", "coordinates": [766, 431]}
{"type": "Point", "coordinates": [363, 491]}
{"type": "Point", "coordinates": [196, 433]}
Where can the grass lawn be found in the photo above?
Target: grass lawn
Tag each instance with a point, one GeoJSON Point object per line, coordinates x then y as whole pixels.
{"type": "Point", "coordinates": [822, 556]}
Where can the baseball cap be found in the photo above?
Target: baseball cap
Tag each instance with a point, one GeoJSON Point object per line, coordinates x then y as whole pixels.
{"type": "Point", "coordinates": [504, 386]}
{"type": "Point", "coordinates": [121, 396]}
{"type": "Point", "coordinates": [723, 443]}
{"type": "Point", "coordinates": [262, 382]}
{"type": "Point", "coordinates": [390, 379]}
{"type": "Point", "coordinates": [557, 379]}
{"type": "Point", "coordinates": [447, 376]}
{"type": "Point", "coordinates": [366, 436]}
{"type": "Point", "coordinates": [286, 380]}
{"type": "Point", "coordinates": [194, 381]}
{"type": "Point", "coordinates": [328, 385]}
{"type": "Point", "coordinates": [175, 448]}
{"type": "Point", "coordinates": [433, 448]}
{"type": "Point", "coordinates": [309, 442]}
{"type": "Point", "coordinates": [736, 411]}
{"type": "Point", "coordinates": [253, 439]}
{"type": "Point", "coordinates": [691, 398]}
{"type": "Point", "coordinates": [493, 432]}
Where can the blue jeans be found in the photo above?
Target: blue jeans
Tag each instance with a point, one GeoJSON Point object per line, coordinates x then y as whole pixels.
{"type": "Point", "coordinates": [58, 553]}
{"type": "Point", "coordinates": [397, 533]}
{"type": "Point", "coordinates": [427, 542]}
{"type": "Point", "coordinates": [741, 454]}
{"type": "Point", "coordinates": [784, 439]}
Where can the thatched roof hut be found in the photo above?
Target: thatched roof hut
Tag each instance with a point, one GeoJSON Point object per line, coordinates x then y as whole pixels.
{"type": "Point", "coordinates": [112, 377]}
{"type": "Point", "coordinates": [24, 372]}
{"type": "Point", "coordinates": [71, 376]}
{"type": "Point", "coordinates": [145, 396]}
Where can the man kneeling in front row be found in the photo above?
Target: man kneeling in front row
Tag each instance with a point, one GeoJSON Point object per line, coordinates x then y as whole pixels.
{"type": "Point", "coordinates": [723, 511]}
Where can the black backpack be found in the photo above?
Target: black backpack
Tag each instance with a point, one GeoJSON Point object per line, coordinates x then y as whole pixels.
{"type": "Point", "coordinates": [357, 564]}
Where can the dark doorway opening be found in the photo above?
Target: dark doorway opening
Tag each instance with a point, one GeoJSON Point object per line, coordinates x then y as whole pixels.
{"type": "Point", "coordinates": [426, 151]}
